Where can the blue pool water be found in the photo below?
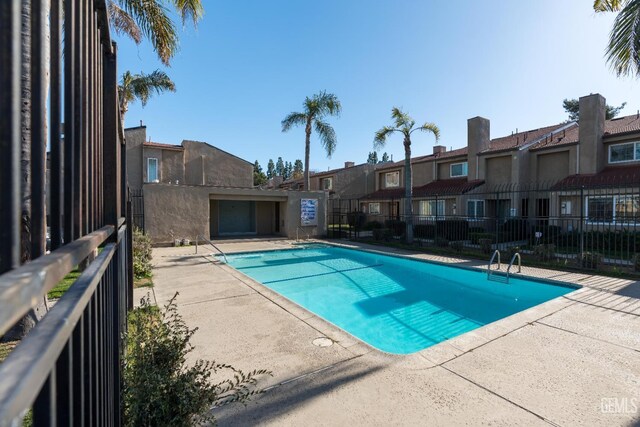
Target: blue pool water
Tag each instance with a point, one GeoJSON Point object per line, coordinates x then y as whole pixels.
{"type": "Point", "coordinates": [395, 304]}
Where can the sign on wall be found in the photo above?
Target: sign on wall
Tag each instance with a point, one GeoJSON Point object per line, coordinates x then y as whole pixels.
{"type": "Point", "coordinates": [308, 211]}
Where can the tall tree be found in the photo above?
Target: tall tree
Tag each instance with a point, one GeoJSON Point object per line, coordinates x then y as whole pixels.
{"type": "Point", "coordinates": [280, 170]}
{"type": "Point", "coordinates": [385, 158]}
{"type": "Point", "coordinates": [404, 125]}
{"type": "Point", "coordinates": [259, 178]}
{"type": "Point", "coordinates": [152, 19]}
{"type": "Point", "coordinates": [271, 169]}
{"type": "Point", "coordinates": [623, 50]}
{"type": "Point", "coordinates": [372, 159]}
{"type": "Point", "coordinates": [572, 107]}
{"type": "Point", "coordinates": [315, 109]}
{"type": "Point", "coordinates": [298, 169]}
{"type": "Point", "coordinates": [141, 86]}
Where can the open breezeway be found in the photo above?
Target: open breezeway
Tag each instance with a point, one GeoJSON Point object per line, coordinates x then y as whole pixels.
{"type": "Point", "coordinates": [573, 360]}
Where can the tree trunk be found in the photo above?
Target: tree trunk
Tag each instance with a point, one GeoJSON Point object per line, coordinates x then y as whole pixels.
{"type": "Point", "coordinates": [408, 190]}
{"type": "Point", "coordinates": [307, 149]}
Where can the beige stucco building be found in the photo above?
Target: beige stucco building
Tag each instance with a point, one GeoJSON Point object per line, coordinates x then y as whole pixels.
{"type": "Point", "coordinates": [196, 189]}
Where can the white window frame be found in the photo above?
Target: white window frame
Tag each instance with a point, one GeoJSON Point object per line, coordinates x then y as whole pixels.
{"type": "Point", "coordinates": [325, 180]}
{"type": "Point", "coordinates": [157, 179]}
{"type": "Point", "coordinates": [614, 199]}
{"type": "Point", "coordinates": [636, 152]}
{"type": "Point", "coordinates": [465, 169]}
{"type": "Point", "coordinates": [386, 179]}
{"type": "Point", "coordinates": [566, 207]}
{"type": "Point", "coordinates": [475, 215]}
{"type": "Point", "coordinates": [428, 213]}
{"type": "Point", "coordinates": [375, 211]}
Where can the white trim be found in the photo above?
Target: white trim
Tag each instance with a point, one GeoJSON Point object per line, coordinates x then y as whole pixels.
{"type": "Point", "coordinates": [614, 199]}
{"type": "Point", "coordinates": [475, 202]}
{"type": "Point", "coordinates": [372, 212]}
{"type": "Point", "coordinates": [157, 177]}
{"type": "Point", "coordinates": [635, 144]}
{"type": "Point", "coordinates": [386, 183]}
{"type": "Point", "coordinates": [463, 171]}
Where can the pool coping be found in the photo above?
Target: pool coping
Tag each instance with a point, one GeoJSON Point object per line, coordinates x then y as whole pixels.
{"type": "Point", "coordinates": [429, 357]}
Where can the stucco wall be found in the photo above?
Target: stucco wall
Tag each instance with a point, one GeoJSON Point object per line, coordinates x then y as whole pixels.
{"type": "Point", "coordinates": [381, 177]}
{"type": "Point", "coordinates": [497, 170]}
{"type": "Point", "coordinates": [354, 182]}
{"type": "Point", "coordinates": [135, 137]}
{"type": "Point", "coordinates": [422, 173]}
{"type": "Point", "coordinates": [553, 166]}
{"type": "Point", "coordinates": [151, 153]}
{"type": "Point", "coordinates": [265, 213]}
{"type": "Point", "coordinates": [207, 165]}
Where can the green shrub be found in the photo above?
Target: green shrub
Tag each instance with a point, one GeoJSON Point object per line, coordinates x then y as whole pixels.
{"type": "Point", "coordinates": [372, 225]}
{"type": "Point", "coordinates": [141, 254]}
{"type": "Point", "coordinates": [160, 388]}
{"type": "Point", "coordinates": [476, 230]}
{"type": "Point", "coordinates": [453, 229]}
{"type": "Point", "coordinates": [441, 242]}
{"type": "Point", "coordinates": [424, 231]}
{"type": "Point", "coordinates": [485, 245]}
{"type": "Point", "coordinates": [512, 250]}
{"type": "Point", "coordinates": [396, 226]}
{"type": "Point", "coordinates": [636, 262]}
{"type": "Point", "coordinates": [476, 237]}
{"type": "Point", "coordinates": [591, 260]}
{"type": "Point", "coordinates": [382, 234]}
{"type": "Point", "coordinates": [515, 229]}
{"type": "Point", "coordinates": [457, 246]}
{"type": "Point", "coordinates": [545, 251]}
{"type": "Point", "coordinates": [356, 219]}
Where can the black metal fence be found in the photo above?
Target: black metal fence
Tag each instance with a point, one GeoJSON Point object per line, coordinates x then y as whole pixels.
{"type": "Point", "coordinates": [137, 208]}
{"type": "Point", "coordinates": [67, 369]}
{"type": "Point", "coordinates": [568, 223]}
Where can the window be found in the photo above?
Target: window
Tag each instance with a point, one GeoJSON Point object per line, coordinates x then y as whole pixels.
{"type": "Point", "coordinates": [565, 207]}
{"type": "Point", "coordinates": [459, 169]}
{"type": "Point", "coordinates": [392, 179]}
{"type": "Point", "coordinates": [428, 208]}
{"type": "Point", "coordinates": [621, 153]}
{"type": "Point", "coordinates": [327, 184]}
{"type": "Point", "coordinates": [607, 209]}
{"type": "Point", "coordinates": [374, 208]}
{"type": "Point", "coordinates": [475, 208]}
{"type": "Point", "coordinates": [152, 170]}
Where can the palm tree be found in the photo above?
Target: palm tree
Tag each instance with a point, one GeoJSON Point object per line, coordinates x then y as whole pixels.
{"type": "Point", "coordinates": [315, 109]}
{"type": "Point", "coordinates": [404, 125]}
{"type": "Point", "coordinates": [152, 19]}
{"type": "Point", "coordinates": [623, 51]}
{"type": "Point", "coordinates": [141, 86]}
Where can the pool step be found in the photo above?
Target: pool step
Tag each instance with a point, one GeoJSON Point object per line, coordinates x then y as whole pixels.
{"type": "Point", "coordinates": [498, 276]}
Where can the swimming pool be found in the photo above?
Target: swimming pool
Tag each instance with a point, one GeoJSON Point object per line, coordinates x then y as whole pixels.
{"type": "Point", "coordinates": [398, 305]}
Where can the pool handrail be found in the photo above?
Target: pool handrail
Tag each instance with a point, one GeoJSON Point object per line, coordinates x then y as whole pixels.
{"type": "Point", "coordinates": [513, 258]}
{"type": "Point", "coordinates": [301, 229]}
{"type": "Point", "coordinates": [214, 246]}
{"type": "Point", "coordinates": [496, 252]}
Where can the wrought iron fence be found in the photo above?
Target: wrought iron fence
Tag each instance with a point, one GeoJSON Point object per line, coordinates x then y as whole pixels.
{"type": "Point", "coordinates": [565, 222]}
{"type": "Point", "coordinates": [137, 208]}
{"type": "Point", "coordinates": [68, 367]}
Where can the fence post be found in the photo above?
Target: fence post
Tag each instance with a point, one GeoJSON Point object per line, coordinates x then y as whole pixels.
{"type": "Point", "coordinates": [580, 227]}
{"type": "Point", "coordinates": [497, 213]}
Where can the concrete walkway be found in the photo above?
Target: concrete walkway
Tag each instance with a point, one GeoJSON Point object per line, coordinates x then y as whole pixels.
{"type": "Point", "coordinates": [574, 360]}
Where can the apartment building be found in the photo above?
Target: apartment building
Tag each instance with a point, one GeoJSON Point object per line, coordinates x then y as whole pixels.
{"type": "Point", "coordinates": [196, 189]}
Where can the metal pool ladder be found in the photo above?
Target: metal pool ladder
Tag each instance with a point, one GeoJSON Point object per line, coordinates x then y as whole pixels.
{"type": "Point", "coordinates": [298, 228]}
{"type": "Point", "coordinates": [513, 258]}
{"type": "Point", "coordinates": [214, 246]}
{"type": "Point", "coordinates": [497, 277]}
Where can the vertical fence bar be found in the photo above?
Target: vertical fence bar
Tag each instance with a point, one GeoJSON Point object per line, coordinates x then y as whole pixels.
{"type": "Point", "coordinates": [64, 385]}
{"type": "Point", "coordinates": [55, 170]}
{"type": "Point", "coordinates": [44, 408]}
{"type": "Point", "coordinates": [10, 134]}
{"type": "Point", "coordinates": [70, 135]}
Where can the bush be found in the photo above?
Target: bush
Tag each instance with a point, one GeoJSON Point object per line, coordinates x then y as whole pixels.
{"type": "Point", "coordinates": [442, 242]}
{"type": "Point", "coordinates": [591, 260]}
{"type": "Point", "coordinates": [159, 387]}
{"type": "Point", "coordinates": [356, 219]}
{"type": "Point", "coordinates": [485, 245]}
{"type": "Point", "coordinates": [512, 250]}
{"type": "Point", "coordinates": [141, 254]}
{"type": "Point", "coordinates": [372, 225]}
{"type": "Point", "coordinates": [476, 230]}
{"type": "Point", "coordinates": [396, 226]}
{"type": "Point", "coordinates": [545, 252]}
{"type": "Point", "coordinates": [424, 231]}
{"type": "Point", "coordinates": [476, 237]}
{"type": "Point", "coordinates": [636, 262]}
{"type": "Point", "coordinates": [515, 229]}
{"type": "Point", "coordinates": [457, 246]}
{"type": "Point", "coordinates": [453, 229]}
{"type": "Point", "coordinates": [382, 233]}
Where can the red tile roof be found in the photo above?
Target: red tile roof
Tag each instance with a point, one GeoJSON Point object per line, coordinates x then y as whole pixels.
{"type": "Point", "coordinates": [440, 187]}
{"type": "Point", "coordinates": [519, 139]}
{"type": "Point", "coordinates": [429, 157]}
{"type": "Point", "coordinates": [163, 146]}
{"type": "Point", "coordinates": [617, 176]}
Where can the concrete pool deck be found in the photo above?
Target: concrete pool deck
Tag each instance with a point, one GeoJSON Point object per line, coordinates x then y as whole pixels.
{"type": "Point", "coordinates": [574, 360]}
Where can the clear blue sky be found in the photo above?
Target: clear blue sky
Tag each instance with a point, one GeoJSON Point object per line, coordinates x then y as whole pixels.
{"type": "Point", "coordinates": [250, 63]}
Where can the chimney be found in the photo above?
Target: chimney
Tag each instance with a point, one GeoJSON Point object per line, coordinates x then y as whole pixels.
{"type": "Point", "coordinates": [438, 149]}
{"type": "Point", "coordinates": [592, 157]}
{"type": "Point", "coordinates": [478, 138]}
{"type": "Point", "coordinates": [349, 164]}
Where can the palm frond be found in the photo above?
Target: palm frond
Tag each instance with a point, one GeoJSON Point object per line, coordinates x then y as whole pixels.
{"type": "Point", "coordinates": [145, 85]}
{"type": "Point", "coordinates": [155, 22]}
{"type": "Point", "coordinates": [623, 52]}
{"type": "Point", "coordinates": [189, 10]}
{"type": "Point", "coordinates": [123, 23]}
{"type": "Point", "coordinates": [607, 5]}
{"type": "Point", "coordinates": [429, 127]}
{"type": "Point", "coordinates": [327, 104]}
{"type": "Point", "coordinates": [327, 135]}
{"type": "Point", "coordinates": [293, 119]}
{"type": "Point", "coordinates": [401, 119]}
{"type": "Point", "coordinates": [380, 138]}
